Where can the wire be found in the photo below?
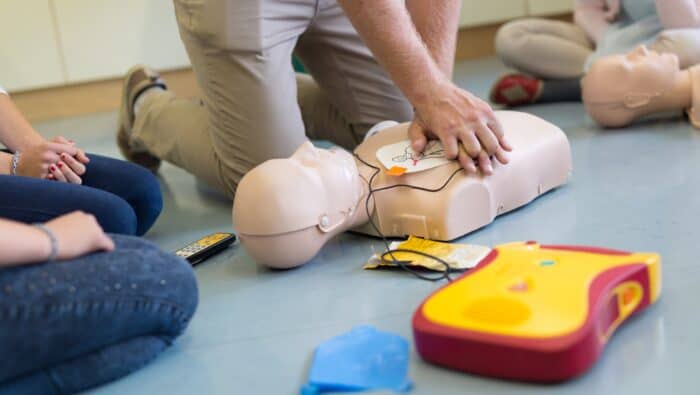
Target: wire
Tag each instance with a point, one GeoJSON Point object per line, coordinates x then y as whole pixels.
{"type": "Point", "coordinates": [389, 251]}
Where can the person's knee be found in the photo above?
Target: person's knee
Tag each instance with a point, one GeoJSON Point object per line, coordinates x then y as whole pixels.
{"type": "Point", "coordinates": [180, 273]}
{"type": "Point", "coordinates": [685, 43]}
{"type": "Point", "coordinates": [148, 201]}
{"type": "Point", "coordinates": [509, 40]}
{"type": "Point", "coordinates": [113, 213]}
{"type": "Point", "coordinates": [159, 276]}
{"type": "Point", "coordinates": [116, 216]}
{"type": "Point", "coordinates": [394, 107]}
{"type": "Point", "coordinates": [183, 302]}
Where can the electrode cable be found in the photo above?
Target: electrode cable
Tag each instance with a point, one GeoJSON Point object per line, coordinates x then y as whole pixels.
{"type": "Point", "coordinates": [405, 265]}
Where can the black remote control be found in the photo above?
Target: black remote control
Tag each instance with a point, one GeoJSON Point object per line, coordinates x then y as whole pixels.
{"type": "Point", "coordinates": [196, 252]}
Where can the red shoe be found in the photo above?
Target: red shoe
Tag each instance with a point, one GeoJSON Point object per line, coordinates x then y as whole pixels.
{"type": "Point", "coordinates": [516, 90]}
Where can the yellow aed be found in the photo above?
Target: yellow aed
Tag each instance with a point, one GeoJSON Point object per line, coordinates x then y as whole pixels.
{"type": "Point", "coordinates": [554, 306]}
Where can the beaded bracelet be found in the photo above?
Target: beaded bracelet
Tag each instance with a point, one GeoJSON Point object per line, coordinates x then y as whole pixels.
{"type": "Point", "coordinates": [52, 237]}
{"type": "Point", "coordinates": [15, 162]}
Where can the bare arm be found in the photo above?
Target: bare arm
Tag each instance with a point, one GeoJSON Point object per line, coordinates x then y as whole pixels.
{"type": "Point", "coordinates": [386, 27]}
{"type": "Point", "coordinates": [465, 124]}
{"type": "Point", "coordinates": [20, 244]}
{"type": "Point", "coordinates": [15, 131]}
{"type": "Point", "coordinates": [5, 163]}
{"type": "Point", "coordinates": [679, 14]}
{"type": "Point", "coordinates": [76, 233]}
{"type": "Point", "coordinates": [38, 154]}
{"type": "Point", "coordinates": [437, 23]}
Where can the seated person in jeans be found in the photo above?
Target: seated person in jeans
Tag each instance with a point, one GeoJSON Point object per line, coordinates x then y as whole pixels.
{"type": "Point", "coordinates": [39, 180]}
{"type": "Point", "coordinates": [79, 308]}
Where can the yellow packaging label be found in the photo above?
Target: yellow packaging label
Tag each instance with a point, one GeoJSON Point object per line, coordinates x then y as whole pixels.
{"type": "Point", "coordinates": [458, 256]}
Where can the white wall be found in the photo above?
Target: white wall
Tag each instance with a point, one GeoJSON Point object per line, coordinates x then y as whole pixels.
{"type": "Point", "coordinates": [104, 38]}
{"type": "Point", "coordinates": [549, 7]}
{"type": "Point", "coordinates": [47, 43]}
{"type": "Point", "coordinates": [54, 42]}
{"type": "Point", "coordinates": [481, 12]}
{"type": "Point", "coordinates": [29, 55]}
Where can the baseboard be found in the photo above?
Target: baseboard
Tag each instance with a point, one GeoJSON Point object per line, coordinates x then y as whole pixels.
{"type": "Point", "coordinates": [476, 42]}
{"type": "Point", "coordinates": [91, 97]}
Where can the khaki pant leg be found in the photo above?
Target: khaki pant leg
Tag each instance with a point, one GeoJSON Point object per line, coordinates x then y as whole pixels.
{"type": "Point", "coordinates": [243, 66]}
{"type": "Point", "coordinates": [352, 91]}
{"type": "Point", "coordinates": [544, 48]}
{"type": "Point", "coordinates": [177, 131]}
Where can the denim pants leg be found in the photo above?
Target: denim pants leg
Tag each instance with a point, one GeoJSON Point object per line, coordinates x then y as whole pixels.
{"type": "Point", "coordinates": [73, 325]}
{"type": "Point", "coordinates": [133, 183]}
{"type": "Point", "coordinates": [124, 197]}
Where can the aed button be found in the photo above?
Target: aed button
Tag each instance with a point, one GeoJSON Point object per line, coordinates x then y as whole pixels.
{"type": "Point", "coordinates": [547, 263]}
{"type": "Point", "coordinates": [522, 285]}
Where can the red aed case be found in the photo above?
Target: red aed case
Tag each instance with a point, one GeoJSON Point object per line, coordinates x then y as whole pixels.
{"type": "Point", "coordinates": [535, 312]}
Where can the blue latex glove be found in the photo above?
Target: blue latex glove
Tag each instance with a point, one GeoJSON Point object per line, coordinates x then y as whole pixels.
{"type": "Point", "coordinates": [361, 360]}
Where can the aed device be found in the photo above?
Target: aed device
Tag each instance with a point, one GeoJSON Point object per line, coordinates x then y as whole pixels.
{"type": "Point", "coordinates": [535, 312]}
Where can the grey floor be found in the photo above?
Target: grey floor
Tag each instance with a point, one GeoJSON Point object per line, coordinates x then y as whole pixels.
{"type": "Point", "coordinates": [255, 330]}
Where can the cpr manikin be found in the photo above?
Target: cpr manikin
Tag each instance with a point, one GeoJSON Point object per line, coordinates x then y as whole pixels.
{"type": "Point", "coordinates": [285, 210]}
{"type": "Point", "coordinates": [618, 90]}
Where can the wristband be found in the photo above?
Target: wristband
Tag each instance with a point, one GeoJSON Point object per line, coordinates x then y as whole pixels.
{"type": "Point", "coordinates": [52, 237]}
{"type": "Point", "coordinates": [15, 162]}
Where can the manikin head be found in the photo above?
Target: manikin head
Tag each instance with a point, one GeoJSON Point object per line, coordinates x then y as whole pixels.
{"type": "Point", "coordinates": [301, 202]}
{"type": "Point", "coordinates": [619, 89]}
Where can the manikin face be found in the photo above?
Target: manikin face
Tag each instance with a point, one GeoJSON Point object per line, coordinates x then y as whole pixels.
{"type": "Point", "coordinates": [313, 187]}
{"type": "Point", "coordinates": [632, 80]}
{"type": "Point", "coordinates": [334, 169]}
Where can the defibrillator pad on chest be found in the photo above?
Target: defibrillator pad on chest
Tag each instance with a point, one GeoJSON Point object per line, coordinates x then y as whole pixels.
{"type": "Point", "coordinates": [402, 155]}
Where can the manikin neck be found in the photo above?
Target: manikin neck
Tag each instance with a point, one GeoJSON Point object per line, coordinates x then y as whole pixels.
{"type": "Point", "coordinates": [679, 97]}
{"type": "Point", "coordinates": [360, 187]}
{"type": "Point", "coordinates": [365, 173]}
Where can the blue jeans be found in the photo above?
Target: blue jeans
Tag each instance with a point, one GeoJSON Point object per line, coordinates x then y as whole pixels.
{"type": "Point", "coordinates": [73, 325]}
{"type": "Point", "coordinates": [124, 197]}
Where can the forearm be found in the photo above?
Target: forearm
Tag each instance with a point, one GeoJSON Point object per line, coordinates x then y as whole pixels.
{"type": "Point", "coordinates": [5, 163]}
{"type": "Point", "coordinates": [679, 14]}
{"type": "Point", "coordinates": [21, 244]}
{"type": "Point", "coordinates": [396, 45]}
{"type": "Point", "coordinates": [15, 130]}
{"type": "Point", "coordinates": [437, 23]}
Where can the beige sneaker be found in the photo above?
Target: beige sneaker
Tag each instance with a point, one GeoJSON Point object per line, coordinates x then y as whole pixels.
{"type": "Point", "coordinates": [137, 80]}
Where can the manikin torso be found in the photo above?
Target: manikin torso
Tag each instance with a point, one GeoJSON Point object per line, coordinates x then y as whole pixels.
{"type": "Point", "coordinates": [540, 161]}
{"type": "Point", "coordinates": [285, 210]}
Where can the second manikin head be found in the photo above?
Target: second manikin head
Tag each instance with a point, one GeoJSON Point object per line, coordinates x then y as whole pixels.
{"type": "Point", "coordinates": [619, 89]}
